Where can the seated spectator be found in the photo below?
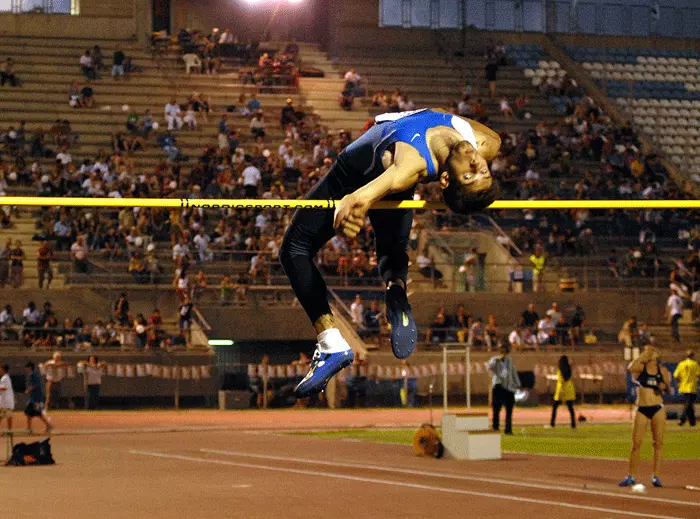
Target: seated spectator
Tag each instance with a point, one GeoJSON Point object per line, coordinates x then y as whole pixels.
{"type": "Point", "coordinates": [505, 108]}
{"type": "Point", "coordinates": [88, 66]}
{"type": "Point", "coordinates": [289, 114]}
{"type": "Point", "coordinates": [612, 263]}
{"type": "Point", "coordinates": [199, 285]}
{"type": "Point", "coordinates": [547, 333]}
{"type": "Point", "coordinates": [405, 104]}
{"type": "Point", "coordinates": [7, 73]}
{"type": "Point", "coordinates": [168, 143]}
{"type": "Point", "coordinates": [515, 339]}
{"type": "Point", "coordinates": [69, 334]}
{"type": "Point", "coordinates": [200, 104]}
{"type": "Point", "coordinates": [380, 99]}
{"type": "Point", "coordinates": [427, 268]}
{"type": "Point", "coordinates": [210, 58]}
{"type": "Point", "coordinates": [529, 317]}
{"type": "Point", "coordinates": [97, 58]}
{"type": "Point", "coordinates": [147, 124]}
{"type": "Point", "coordinates": [79, 255]}
{"type": "Point", "coordinates": [9, 326]}
{"type": "Point", "coordinates": [259, 266]}
{"type": "Point", "coordinates": [346, 100]}
{"type": "Point", "coordinates": [478, 335]}
{"type": "Point", "coordinates": [371, 318]}
{"type": "Point", "coordinates": [563, 330]}
{"type": "Point", "coordinates": [138, 269]}
{"type": "Point", "coordinates": [257, 125]}
{"type": "Point", "coordinates": [554, 312]}
{"type": "Point", "coordinates": [173, 115]}
{"type": "Point", "coordinates": [521, 103]}
{"type": "Point", "coordinates": [577, 321]}
{"type": "Point", "coordinates": [462, 323]}
{"type": "Point", "coordinates": [74, 95]}
{"type": "Point", "coordinates": [190, 118]}
{"type": "Point", "coordinates": [479, 111]}
{"type": "Point", "coordinates": [83, 338]}
{"type": "Point", "coordinates": [254, 104]}
{"type": "Point", "coordinates": [491, 330]}
{"type": "Point", "coordinates": [352, 80]}
{"type": "Point", "coordinates": [99, 335]}
{"type": "Point", "coordinates": [439, 328]}
{"type": "Point", "coordinates": [464, 108]}
{"type": "Point", "coordinates": [87, 97]}
{"type": "Point", "coordinates": [117, 63]}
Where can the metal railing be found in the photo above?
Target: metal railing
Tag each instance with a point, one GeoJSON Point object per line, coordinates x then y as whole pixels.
{"type": "Point", "coordinates": [589, 274]}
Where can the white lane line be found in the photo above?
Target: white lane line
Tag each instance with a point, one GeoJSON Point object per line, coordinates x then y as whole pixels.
{"type": "Point", "coordinates": [517, 483]}
{"type": "Point", "coordinates": [400, 484]}
{"type": "Point", "coordinates": [568, 456]}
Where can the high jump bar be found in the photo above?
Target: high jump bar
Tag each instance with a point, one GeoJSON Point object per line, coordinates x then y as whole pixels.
{"type": "Point", "coordinates": [184, 203]}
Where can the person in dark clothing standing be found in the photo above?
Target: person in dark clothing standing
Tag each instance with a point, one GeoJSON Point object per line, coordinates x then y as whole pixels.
{"type": "Point", "coordinates": [490, 71]}
{"type": "Point", "coordinates": [185, 320]}
{"type": "Point", "coordinates": [504, 383]}
{"type": "Point", "coordinates": [37, 397]}
{"type": "Point", "coordinates": [43, 262]}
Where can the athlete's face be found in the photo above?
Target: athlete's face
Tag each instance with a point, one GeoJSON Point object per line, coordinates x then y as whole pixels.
{"type": "Point", "coordinates": [466, 181]}
{"type": "Point", "coordinates": [466, 167]}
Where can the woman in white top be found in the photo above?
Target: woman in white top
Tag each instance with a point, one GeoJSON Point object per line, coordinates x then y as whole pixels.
{"type": "Point", "coordinates": [92, 373]}
{"type": "Point", "coordinates": [7, 396]}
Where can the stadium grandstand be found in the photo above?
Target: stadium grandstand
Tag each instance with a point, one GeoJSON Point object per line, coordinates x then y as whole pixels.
{"type": "Point", "coordinates": [138, 311]}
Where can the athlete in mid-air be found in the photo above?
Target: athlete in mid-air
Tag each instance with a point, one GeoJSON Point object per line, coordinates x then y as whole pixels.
{"type": "Point", "coordinates": [398, 152]}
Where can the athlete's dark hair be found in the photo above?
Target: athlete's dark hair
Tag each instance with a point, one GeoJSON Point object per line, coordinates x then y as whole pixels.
{"type": "Point", "coordinates": [466, 200]}
{"type": "Point", "coordinates": [565, 367]}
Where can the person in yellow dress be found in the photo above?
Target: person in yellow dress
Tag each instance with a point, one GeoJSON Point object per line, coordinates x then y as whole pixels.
{"type": "Point", "coordinates": [652, 380]}
{"type": "Point", "coordinates": [538, 261]}
{"type": "Point", "coordinates": [565, 391]}
{"type": "Point", "coordinates": [686, 374]}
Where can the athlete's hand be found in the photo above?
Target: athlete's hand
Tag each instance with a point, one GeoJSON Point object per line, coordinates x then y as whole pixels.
{"type": "Point", "coordinates": [350, 215]}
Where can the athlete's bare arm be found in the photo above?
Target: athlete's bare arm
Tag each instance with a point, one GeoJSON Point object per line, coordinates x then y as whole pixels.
{"type": "Point", "coordinates": [405, 171]}
{"type": "Point", "coordinates": [667, 378]}
{"type": "Point", "coordinates": [637, 366]}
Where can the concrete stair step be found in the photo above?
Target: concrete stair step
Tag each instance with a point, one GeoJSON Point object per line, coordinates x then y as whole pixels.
{"type": "Point", "coordinates": [126, 90]}
{"type": "Point", "coordinates": [74, 44]}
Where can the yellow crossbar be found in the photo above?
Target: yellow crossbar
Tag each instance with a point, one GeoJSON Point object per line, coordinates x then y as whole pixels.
{"type": "Point", "coordinates": [48, 201]}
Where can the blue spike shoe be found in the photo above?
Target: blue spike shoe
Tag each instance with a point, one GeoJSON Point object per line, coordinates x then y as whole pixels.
{"type": "Point", "coordinates": [627, 482]}
{"type": "Point", "coordinates": [404, 332]}
{"type": "Point", "coordinates": [323, 367]}
{"type": "Point", "coordinates": [656, 482]}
